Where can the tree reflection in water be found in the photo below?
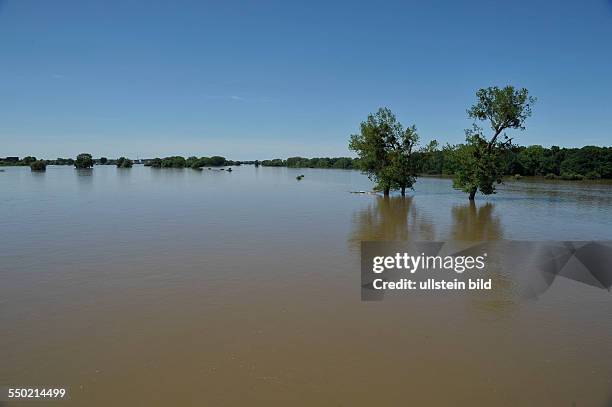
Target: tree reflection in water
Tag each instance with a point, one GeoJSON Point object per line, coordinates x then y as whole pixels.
{"type": "Point", "coordinates": [473, 222]}
{"type": "Point", "coordinates": [480, 223]}
{"type": "Point", "coordinates": [390, 218]}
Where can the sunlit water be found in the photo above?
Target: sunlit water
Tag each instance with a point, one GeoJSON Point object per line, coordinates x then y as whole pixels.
{"type": "Point", "coordinates": [178, 287]}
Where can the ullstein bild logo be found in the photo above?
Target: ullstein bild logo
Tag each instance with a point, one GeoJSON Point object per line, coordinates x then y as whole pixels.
{"type": "Point", "coordinates": [532, 267]}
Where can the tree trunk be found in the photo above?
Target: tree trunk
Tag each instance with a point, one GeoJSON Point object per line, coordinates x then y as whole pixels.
{"type": "Point", "coordinates": [472, 194]}
{"type": "Point", "coordinates": [403, 192]}
{"type": "Point", "coordinates": [386, 191]}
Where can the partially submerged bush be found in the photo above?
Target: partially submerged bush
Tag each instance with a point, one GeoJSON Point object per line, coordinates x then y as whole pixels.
{"type": "Point", "coordinates": [569, 176]}
{"type": "Point", "coordinates": [28, 160]}
{"type": "Point", "coordinates": [214, 161]}
{"type": "Point", "coordinates": [200, 162]}
{"type": "Point", "coordinates": [592, 175]}
{"type": "Point", "coordinates": [155, 163]}
{"type": "Point", "coordinates": [84, 160]}
{"type": "Point", "coordinates": [173, 162]}
{"type": "Point", "coordinates": [39, 165]}
{"type": "Point", "coordinates": [123, 162]}
{"type": "Point", "coordinates": [167, 162]}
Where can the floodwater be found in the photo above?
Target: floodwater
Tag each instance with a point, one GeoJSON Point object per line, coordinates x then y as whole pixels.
{"type": "Point", "coordinates": [167, 287]}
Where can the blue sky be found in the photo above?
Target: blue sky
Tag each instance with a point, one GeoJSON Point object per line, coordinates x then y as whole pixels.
{"type": "Point", "coordinates": [264, 79]}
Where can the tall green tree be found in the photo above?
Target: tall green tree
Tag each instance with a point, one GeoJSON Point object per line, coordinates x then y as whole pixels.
{"type": "Point", "coordinates": [403, 163]}
{"type": "Point", "coordinates": [480, 162]}
{"type": "Point", "coordinates": [384, 149]}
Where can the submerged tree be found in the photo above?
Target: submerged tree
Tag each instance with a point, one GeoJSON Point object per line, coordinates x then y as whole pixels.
{"type": "Point", "coordinates": [123, 162]}
{"type": "Point", "coordinates": [39, 165]}
{"type": "Point", "coordinates": [403, 164]}
{"type": "Point", "coordinates": [385, 151]}
{"type": "Point", "coordinates": [84, 160]}
{"type": "Point", "coordinates": [479, 162]}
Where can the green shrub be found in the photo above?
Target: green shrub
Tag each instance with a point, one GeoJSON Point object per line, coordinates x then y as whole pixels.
{"type": "Point", "coordinates": [154, 163]}
{"type": "Point", "coordinates": [592, 175]}
{"type": "Point", "coordinates": [173, 162]}
{"type": "Point", "coordinates": [39, 165]}
{"type": "Point", "coordinates": [84, 160]}
{"type": "Point", "coordinates": [569, 176]}
{"type": "Point", "coordinates": [217, 161]}
{"type": "Point", "coordinates": [123, 162]}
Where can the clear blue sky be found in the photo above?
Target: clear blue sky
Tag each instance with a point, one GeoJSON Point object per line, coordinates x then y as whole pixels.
{"type": "Point", "coordinates": [264, 79]}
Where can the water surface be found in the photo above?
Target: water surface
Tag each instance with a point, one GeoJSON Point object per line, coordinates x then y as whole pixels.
{"type": "Point", "coordinates": [177, 287]}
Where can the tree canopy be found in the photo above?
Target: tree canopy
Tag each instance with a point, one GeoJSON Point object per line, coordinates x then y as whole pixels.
{"type": "Point", "coordinates": [84, 160]}
{"type": "Point", "coordinates": [480, 161]}
{"type": "Point", "coordinates": [385, 149]}
{"type": "Point", "coordinates": [38, 165]}
{"type": "Point", "coordinates": [190, 162]}
{"type": "Point", "coordinates": [123, 162]}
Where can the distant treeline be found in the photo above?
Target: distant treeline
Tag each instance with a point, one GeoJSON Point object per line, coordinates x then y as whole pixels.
{"type": "Point", "coordinates": [191, 162]}
{"type": "Point", "coordinates": [569, 163]}
{"type": "Point", "coordinates": [85, 160]}
{"type": "Point", "coordinates": [26, 161]}
{"type": "Point", "coordinates": [322, 162]}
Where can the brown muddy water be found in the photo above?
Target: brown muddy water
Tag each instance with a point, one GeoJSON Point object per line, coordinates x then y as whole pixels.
{"type": "Point", "coordinates": [177, 287]}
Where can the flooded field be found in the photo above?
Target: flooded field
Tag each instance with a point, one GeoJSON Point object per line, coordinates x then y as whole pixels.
{"type": "Point", "coordinates": [176, 287]}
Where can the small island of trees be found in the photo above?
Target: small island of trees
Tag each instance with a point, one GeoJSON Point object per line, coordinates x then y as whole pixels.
{"type": "Point", "coordinates": [83, 161]}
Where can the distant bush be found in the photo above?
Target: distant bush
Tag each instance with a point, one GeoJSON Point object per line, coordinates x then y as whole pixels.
{"type": "Point", "coordinates": [61, 161]}
{"type": "Point", "coordinates": [277, 162]}
{"type": "Point", "coordinates": [216, 161]}
{"type": "Point", "coordinates": [123, 162]}
{"type": "Point", "coordinates": [28, 160]}
{"type": "Point", "coordinates": [592, 175]}
{"type": "Point", "coordinates": [39, 165]}
{"type": "Point", "coordinates": [199, 163]}
{"type": "Point", "coordinates": [317, 162]}
{"type": "Point", "coordinates": [155, 163]}
{"type": "Point", "coordinates": [84, 160]}
{"type": "Point", "coordinates": [173, 162]}
{"type": "Point", "coordinates": [568, 176]}
{"type": "Point", "coordinates": [550, 175]}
